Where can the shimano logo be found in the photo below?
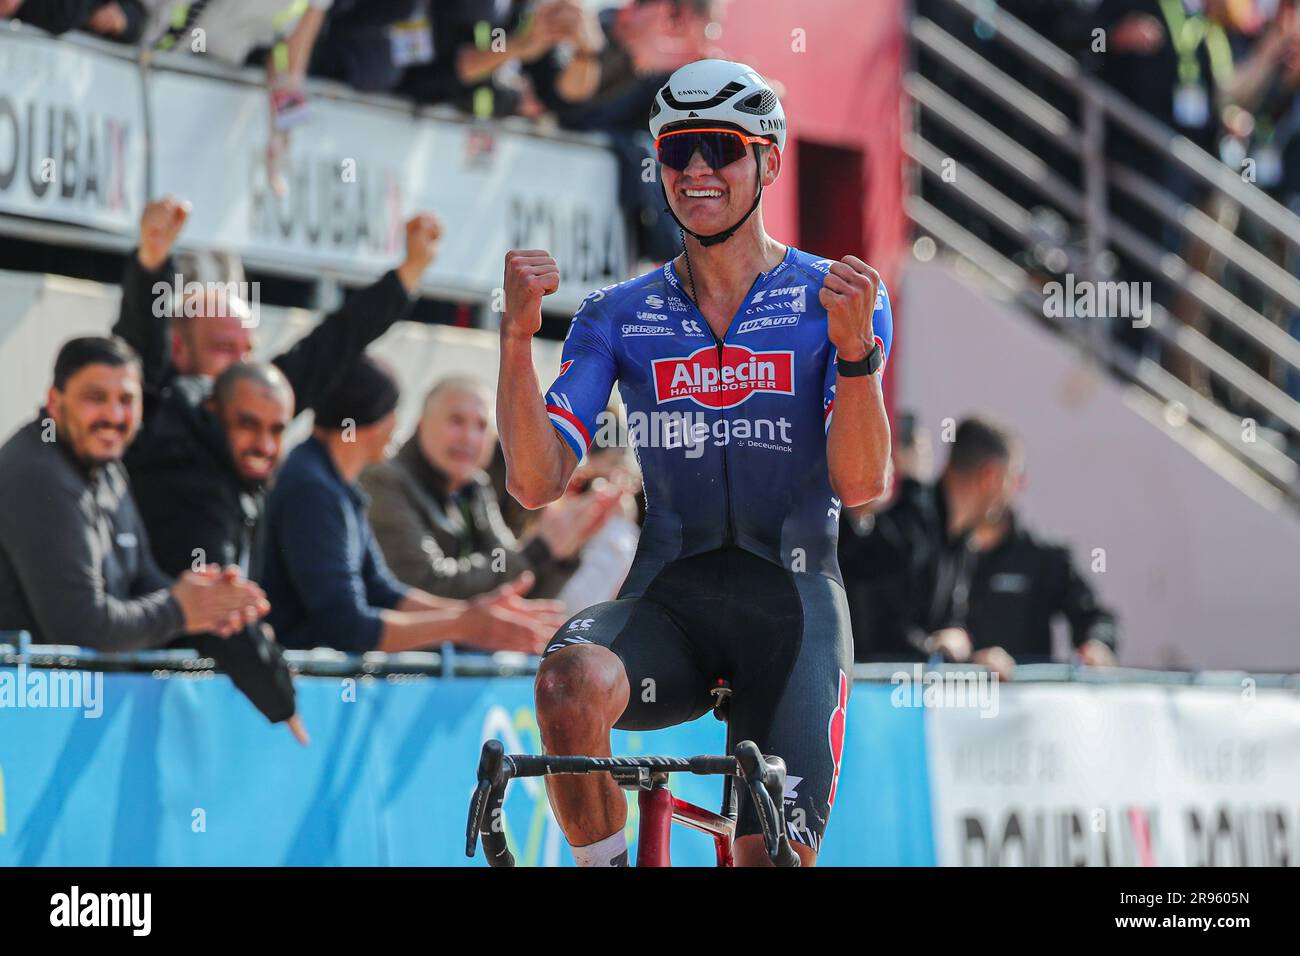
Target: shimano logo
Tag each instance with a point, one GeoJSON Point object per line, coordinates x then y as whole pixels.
{"type": "Point", "coordinates": [654, 301]}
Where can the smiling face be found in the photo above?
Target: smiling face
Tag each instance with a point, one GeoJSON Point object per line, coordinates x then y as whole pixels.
{"type": "Point", "coordinates": [709, 200]}
{"type": "Point", "coordinates": [97, 412]}
{"type": "Point", "coordinates": [454, 432]}
{"type": "Point", "coordinates": [255, 418]}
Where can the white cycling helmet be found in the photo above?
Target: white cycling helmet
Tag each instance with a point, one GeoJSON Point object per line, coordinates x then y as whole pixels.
{"type": "Point", "coordinates": [722, 92]}
{"type": "Point", "coordinates": [718, 93]}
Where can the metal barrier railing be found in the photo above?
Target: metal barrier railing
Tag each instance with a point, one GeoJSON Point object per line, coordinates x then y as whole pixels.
{"type": "Point", "coordinates": [450, 662]}
{"type": "Point", "coordinates": [325, 275]}
{"type": "Point", "coordinates": [1086, 205]}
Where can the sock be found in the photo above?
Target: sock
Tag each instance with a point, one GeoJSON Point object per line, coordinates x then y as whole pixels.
{"type": "Point", "coordinates": [611, 851]}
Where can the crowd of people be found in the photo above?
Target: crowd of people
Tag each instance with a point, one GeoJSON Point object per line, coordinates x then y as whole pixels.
{"type": "Point", "coordinates": [151, 503]}
{"type": "Point", "coordinates": [553, 61]}
{"type": "Point", "coordinates": [1222, 73]}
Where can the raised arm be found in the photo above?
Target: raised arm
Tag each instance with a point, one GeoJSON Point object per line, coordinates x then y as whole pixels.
{"type": "Point", "coordinates": [857, 443]}
{"type": "Point", "coordinates": [314, 363]}
{"type": "Point", "coordinates": [142, 316]}
{"type": "Point", "coordinates": [539, 462]}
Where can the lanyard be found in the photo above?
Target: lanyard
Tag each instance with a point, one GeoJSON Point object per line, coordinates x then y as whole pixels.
{"type": "Point", "coordinates": [1187, 33]}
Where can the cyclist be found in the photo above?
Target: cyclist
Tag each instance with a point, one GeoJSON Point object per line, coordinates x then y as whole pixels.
{"type": "Point", "coordinates": [730, 361]}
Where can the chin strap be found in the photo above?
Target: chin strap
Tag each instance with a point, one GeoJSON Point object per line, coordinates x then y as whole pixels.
{"type": "Point", "coordinates": [726, 234]}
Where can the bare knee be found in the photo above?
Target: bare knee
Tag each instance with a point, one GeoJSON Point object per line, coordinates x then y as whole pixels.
{"type": "Point", "coordinates": [580, 693]}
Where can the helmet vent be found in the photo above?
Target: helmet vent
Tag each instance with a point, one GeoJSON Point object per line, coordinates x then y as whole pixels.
{"type": "Point", "coordinates": [759, 104]}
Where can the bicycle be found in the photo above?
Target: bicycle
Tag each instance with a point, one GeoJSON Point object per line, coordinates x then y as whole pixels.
{"type": "Point", "coordinates": [765, 777]}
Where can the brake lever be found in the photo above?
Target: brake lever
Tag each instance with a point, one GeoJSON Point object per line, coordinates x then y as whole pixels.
{"type": "Point", "coordinates": [487, 810]}
{"type": "Point", "coordinates": [774, 783]}
{"type": "Point", "coordinates": [765, 777]}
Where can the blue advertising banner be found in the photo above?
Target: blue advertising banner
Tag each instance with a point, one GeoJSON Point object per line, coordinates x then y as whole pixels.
{"type": "Point", "coordinates": [183, 772]}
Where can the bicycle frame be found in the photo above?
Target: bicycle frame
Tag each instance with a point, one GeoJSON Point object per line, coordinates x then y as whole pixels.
{"type": "Point", "coordinates": [660, 810]}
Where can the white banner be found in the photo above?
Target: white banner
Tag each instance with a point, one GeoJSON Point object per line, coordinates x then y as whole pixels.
{"type": "Point", "coordinates": [355, 172]}
{"type": "Point", "coordinates": [1118, 776]}
{"type": "Point", "coordinates": [72, 134]}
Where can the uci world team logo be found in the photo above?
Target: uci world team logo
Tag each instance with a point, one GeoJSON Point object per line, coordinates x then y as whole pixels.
{"type": "Point", "coordinates": [723, 383]}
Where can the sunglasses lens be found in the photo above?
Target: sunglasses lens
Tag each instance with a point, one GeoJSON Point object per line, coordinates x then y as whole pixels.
{"type": "Point", "coordinates": [718, 149]}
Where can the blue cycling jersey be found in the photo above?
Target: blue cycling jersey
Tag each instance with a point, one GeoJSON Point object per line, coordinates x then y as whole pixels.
{"type": "Point", "coordinates": [730, 434]}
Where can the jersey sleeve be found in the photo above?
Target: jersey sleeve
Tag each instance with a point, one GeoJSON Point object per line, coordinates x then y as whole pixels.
{"type": "Point", "coordinates": [882, 327]}
{"type": "Point", "coordinates": [587, 375]}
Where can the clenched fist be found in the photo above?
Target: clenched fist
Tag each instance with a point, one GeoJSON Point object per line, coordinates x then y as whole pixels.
{"type": "Point", "coordinates": [422, 234]}
{"type": "Point", "coordinates": [849, 296]}
{"type": "Point", "coordinates": [160, 224]}
{"type": "Point", "coordinates": [530, 274]}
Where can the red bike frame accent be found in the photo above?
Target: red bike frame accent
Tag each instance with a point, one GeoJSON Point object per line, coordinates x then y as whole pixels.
{"type": "Point", "coordinates": [659, 809]}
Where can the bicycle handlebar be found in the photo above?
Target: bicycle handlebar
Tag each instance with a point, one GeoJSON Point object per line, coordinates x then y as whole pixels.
{"type": "Point", "coordinates": [765, 777]}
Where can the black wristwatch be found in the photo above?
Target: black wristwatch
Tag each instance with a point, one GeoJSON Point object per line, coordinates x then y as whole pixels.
{"type": "Point", "coordinates": [864, 366]}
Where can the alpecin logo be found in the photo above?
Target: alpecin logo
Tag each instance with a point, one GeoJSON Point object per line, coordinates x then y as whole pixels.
{"type": "Point", "coordinates": [711, 383]}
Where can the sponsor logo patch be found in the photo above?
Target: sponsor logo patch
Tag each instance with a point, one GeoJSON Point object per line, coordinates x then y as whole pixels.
{"type": "Point", "coordinates": [711, 383]}
{"type": "Point", "coordinates": [767, 322]}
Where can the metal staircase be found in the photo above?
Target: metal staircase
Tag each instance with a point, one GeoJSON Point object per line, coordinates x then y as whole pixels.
{"type": "Point", "coordinates": [1031, 210]}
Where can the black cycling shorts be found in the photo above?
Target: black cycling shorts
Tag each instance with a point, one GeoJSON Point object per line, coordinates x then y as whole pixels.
{"type": "Point", "coordinates": [780, 638]}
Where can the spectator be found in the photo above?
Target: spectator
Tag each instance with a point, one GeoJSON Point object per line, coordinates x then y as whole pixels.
{"type": "Point", "coordinates": [1020, 582]}
{"type": "Point", "coordinates": [1263, 101]}
{"type": "Point", "coordinates": [435, 515]}
{"type": "Point", "coordinates": [916, 560]}
{"type": "Point", "coordinates": [119, 20]}
{"type": "Point", "coordinates": [645, 41]}
{"type": "Point", "coordinates": [75, 566]}
{"type": "Point", "coordinates": [201, 463]}
{"type": "Point", "coordinates": [234, 31]}
{"type": "Point", "coordinates": [369, 44]}
{"type": "Point", "coordinates": [509, 57]}
{"type": "Point", "coordinates": [327, 579]}
{"type": "Point", "coordinates": [1173, 59]}
{"type": "Point", "coordinates": [202, 501]}
{"type": "Point", "coordinates": [190, 491]}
